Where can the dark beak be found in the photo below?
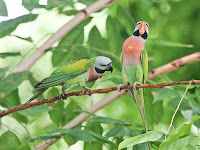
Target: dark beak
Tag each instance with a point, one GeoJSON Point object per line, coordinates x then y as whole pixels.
{"type": "Point", "coordinates": [110, 68]}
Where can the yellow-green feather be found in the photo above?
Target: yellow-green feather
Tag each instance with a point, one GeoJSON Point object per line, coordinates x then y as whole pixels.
{"type": "Point", "coordinates": [61, 75]}
{"type": "Point", "coordinates": [144, 58]}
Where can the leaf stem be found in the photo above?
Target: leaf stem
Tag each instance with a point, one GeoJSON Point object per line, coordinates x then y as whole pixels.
{"type": "Point", "coordinates": [190, 82]}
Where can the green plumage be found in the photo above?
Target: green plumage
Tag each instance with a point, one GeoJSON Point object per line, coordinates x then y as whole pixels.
{"type": "Point", "coordinates": [62, 75]}
{"type": "Point", "coordinates": [137, 73]}
{"type": "Point", "coordinates": [72, 73]}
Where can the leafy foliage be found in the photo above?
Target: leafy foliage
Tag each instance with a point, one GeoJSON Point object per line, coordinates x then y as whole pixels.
{"type": "Point", "coordinates": [9, 26]}
{"type": "Point", "coordinates": [150, 136]}
{"type": "Point", "coordinates": [174, 31]}
{"type": "Point", "coordinates": [3, 9]}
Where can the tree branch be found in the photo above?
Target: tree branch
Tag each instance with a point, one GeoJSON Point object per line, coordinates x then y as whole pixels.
{"type": "Point", "coordinates": [173, 65]}
{"type": "Point", "coordinates": [97, 91]}
{"type": "Point", "coordinates": [82, 15]}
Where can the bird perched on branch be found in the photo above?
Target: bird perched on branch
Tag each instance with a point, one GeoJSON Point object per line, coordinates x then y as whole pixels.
{"type": "Point", "coordinates": [75, 72]}
{"type": "Point", "coordinates": [135, 64]}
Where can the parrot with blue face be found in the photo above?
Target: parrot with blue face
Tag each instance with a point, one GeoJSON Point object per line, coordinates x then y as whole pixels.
{"type": "Point", "coordinates": [135, 65]}
{"type": "Point", "coordinates": [75, 72]}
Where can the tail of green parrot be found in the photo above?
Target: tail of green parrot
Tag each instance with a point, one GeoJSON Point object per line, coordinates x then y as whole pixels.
{"type": "Point", "coordinates": [140, 107]}
{"type": "Point", "coordinates": [39, 92]}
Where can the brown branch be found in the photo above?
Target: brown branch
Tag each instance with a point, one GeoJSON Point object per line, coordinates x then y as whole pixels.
{"type": "Point", "coordinates": [97, 91]}
{"type": "Point", "coordinates": [66, 28]}
{"type": "Point", "coordinates": [173, 65]}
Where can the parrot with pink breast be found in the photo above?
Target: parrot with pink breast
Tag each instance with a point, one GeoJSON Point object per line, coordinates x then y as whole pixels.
{"type": "Point", "coordinates": [135, 64]}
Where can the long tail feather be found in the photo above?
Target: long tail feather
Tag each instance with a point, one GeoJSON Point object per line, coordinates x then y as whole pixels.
{"type": "Point", "coordinates": [142, 112]}
{"type": "Point", "coordinates": [132, 95]}
{"type": "Point", "coordinates": [39, 93]}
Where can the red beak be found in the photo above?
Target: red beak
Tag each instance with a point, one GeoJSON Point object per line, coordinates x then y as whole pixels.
{"type": "Point", "coordinates": [142, 28]}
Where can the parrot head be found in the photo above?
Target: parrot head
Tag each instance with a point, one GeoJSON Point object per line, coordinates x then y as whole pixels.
{"type": "Point", "coordinates": [103, 64]}
{"type": "Point", "coordinates": [141, 29]}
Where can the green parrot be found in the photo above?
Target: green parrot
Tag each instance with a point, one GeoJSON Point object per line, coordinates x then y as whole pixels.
{"type": "Point", "coordinates": [75, 72]}
{"type": "Point", "coordinates": [135, 65]}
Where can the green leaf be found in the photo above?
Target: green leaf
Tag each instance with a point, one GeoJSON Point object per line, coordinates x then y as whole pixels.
{"type": "Point", "coordinates": [2, 72]}
{"type": "Point", "coordinates": [70, 12]}
{"type": "Point", "coordinates": [95, 39]}
{"type": "Point", "coordinates": [68, 43]}
{"type": "Point", "coordinates": [83, 135]}
{"type": "Point", "coordinates": [45, 137]}
{"type": "Point", "coordinates": [125, 19]}
{"type": "Point", "coordinates": [9, 26]}
{"type": "Point", "coordinates": [185, 104]}
{"type": "Point", "coordinates": [9, 141]}
{"type": "Point", "coordinates": [70, 112]}
{"type": "Point", "coordinates": [114, 36]}
{"type": "Point", "coordinates": [69, 140]}
{"type": "Point", "coordinates": [3, 8]}
{"type": "Point", "coordinates": [93, 146]}
{"type": "Point", "coordinates": [119, 131]}
{"type": "Point", "coordinates": [20, 118]}
{"type": "Point", "coordinates": [150, 136]}
{"type": "Point", "coordinates": [100, 137]}
{"type": "Point", "coordinates": [12, 99]}
{"type": "Point", "coordinates": [31, 4]}
{"type": "Point", "coordinates": [34, 111]}
{"type": "Point", "coordinates": [8, 54]}
{"type": "Point", "coordinates": [56, 114]}
{"type": "Point", "coordinates": [166, 93]}
{"type": "Point", "coordinates": [180, 131]}
{"type": "Point", "coordinates": [59, 3]}
{"type": "Point", "coordinates": [29, 39]}
{"type": "Point", "coordinates": [186, 143]}
{"type": "Point", "coordinates": [60, 131]}
{"type": "Point", "coordinates": [11, 82]}
{"type": "Point", "coordinates": [171, 43]}
{"type": "Point", "coordinates": [105, 120]}
{"type": "Point", "coordinates": [78, 134]}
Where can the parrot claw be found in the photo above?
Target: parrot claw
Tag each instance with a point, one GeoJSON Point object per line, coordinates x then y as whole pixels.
{"type": "Point", "coordinates": [63, 94]}
{"type": "Point", "coordinates": [119, 87]}
{"type": "Point", "coordinates": [135, 84]}
{"type": "Point", "coordinates": [87, 90]}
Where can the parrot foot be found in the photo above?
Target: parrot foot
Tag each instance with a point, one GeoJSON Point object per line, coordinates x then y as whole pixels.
{"type": "Point", "coordinates": [119, 86]}
{"type": "Point", "coordinates": [63, 94]}
{"type": "Point", "coordinates": [87, 90]}
{"type": "Point", "coordinates": [135, 84]}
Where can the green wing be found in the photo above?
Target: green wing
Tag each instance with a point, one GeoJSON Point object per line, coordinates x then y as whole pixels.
{"type": "Point", "coordinates": [144, 58]}
{"type": "Point", "coordinates": [61, 75]}
{"type": "Point", "coordinates": [121, 59]}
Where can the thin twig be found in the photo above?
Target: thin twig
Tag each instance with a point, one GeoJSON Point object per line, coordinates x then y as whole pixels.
{"type": "Point", "coordinates": [97, 91]}
{"type": "Point", "coordinates": [60, 33]}
{"type": "Point", "coordinates": [190, 82]}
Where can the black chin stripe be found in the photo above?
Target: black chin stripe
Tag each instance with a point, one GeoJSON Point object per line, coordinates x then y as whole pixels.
{"type": "Point", "coordinates": [136, 33]}
{"type": "Point", "coordinates": [144, 36]}
{"type": "Point", "coordinates": [99, 71]}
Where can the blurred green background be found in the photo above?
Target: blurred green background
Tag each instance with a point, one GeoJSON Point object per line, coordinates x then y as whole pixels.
{"type": "Point", "coordinates": [174, 33]}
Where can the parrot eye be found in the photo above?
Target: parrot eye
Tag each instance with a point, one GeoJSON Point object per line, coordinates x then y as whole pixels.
{"type": "Point", "coordinates": [147, 24]}
{"type": "Point", "coordinates": [102, 65]}
{"type": "Point", "coordinates": [139, 22]}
